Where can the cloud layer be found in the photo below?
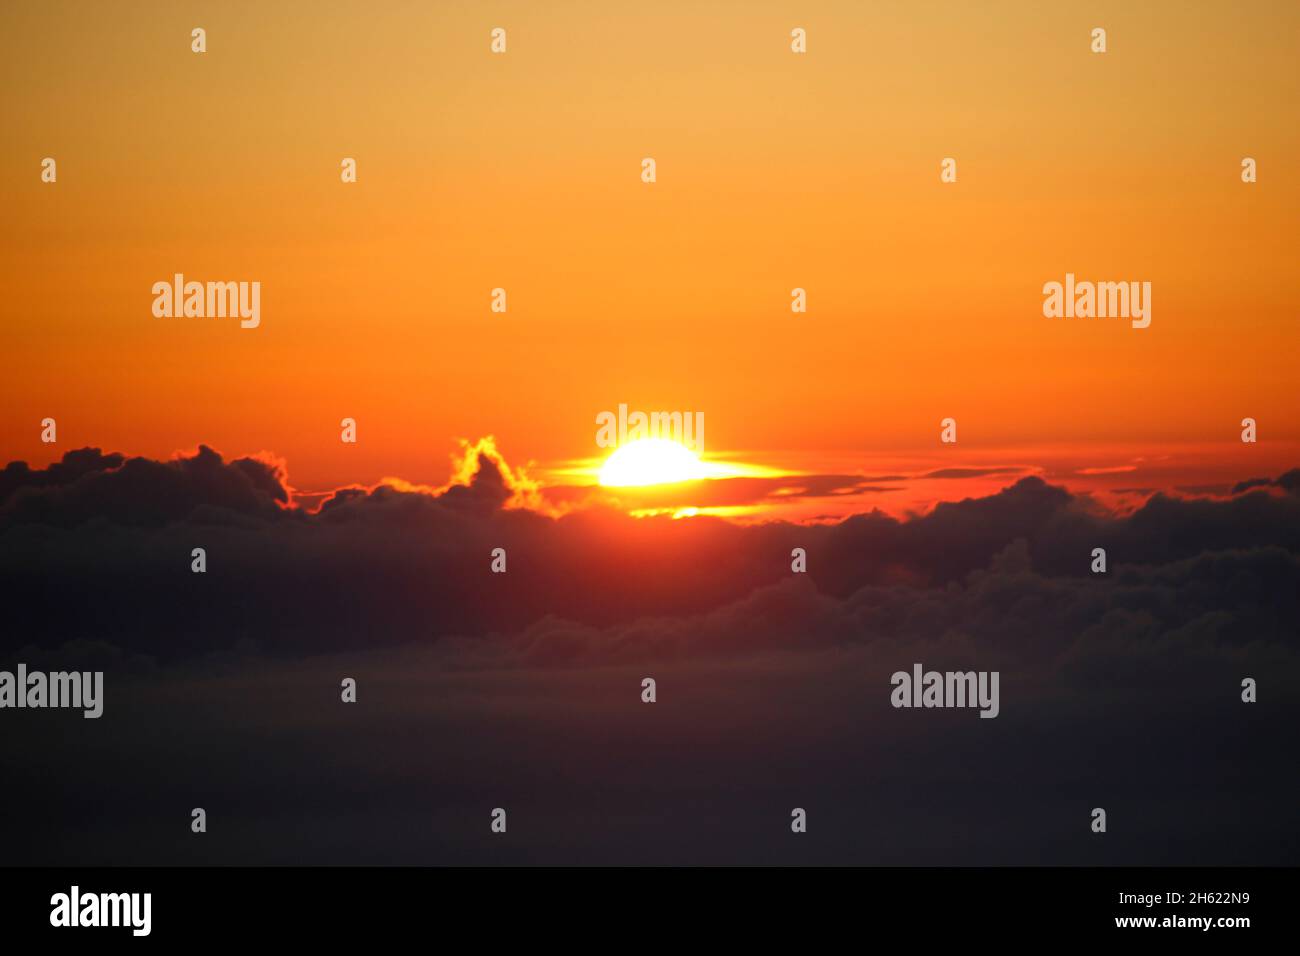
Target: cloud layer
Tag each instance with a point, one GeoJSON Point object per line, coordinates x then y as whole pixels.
{"type": "Point", "coordinates": [523, 689]}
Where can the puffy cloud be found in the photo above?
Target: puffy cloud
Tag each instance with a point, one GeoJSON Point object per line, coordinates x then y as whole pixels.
{"type": "Point", "coordinates": [90, 486]}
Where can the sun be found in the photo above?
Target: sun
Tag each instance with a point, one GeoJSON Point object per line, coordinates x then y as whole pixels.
{"type": "Point", "coordinates": [651, 461]}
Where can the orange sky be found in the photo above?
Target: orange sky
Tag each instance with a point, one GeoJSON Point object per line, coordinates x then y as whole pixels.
{"type": "Point", "coordinates": [774, 171]}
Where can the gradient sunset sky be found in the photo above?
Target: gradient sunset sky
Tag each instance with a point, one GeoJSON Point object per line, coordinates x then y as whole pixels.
{"type": "Point", "coordinates": [775, 171]}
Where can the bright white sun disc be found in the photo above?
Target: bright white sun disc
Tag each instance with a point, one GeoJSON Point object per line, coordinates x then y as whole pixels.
{"type": "Point", "coordinates": [651, 461]}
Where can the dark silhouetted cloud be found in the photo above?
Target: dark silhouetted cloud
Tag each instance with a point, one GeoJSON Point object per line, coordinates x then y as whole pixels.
{"type": "Point", "coordinates": [522, 690]}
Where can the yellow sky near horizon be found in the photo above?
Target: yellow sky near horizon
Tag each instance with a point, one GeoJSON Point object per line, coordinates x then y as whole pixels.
{"type": "Point", "coordinates": [521, 171]}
